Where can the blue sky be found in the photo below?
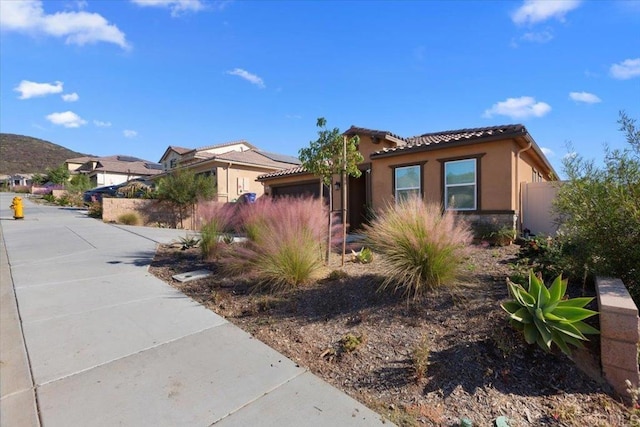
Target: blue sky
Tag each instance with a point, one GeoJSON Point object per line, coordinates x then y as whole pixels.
{"type": "Point", "coordinates": [133, 77]}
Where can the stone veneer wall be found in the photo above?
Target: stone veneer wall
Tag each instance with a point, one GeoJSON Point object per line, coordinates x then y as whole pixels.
{"type": "Point", "coordinates": [619, 334]}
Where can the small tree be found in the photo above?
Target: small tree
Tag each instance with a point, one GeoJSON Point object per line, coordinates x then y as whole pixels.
{"type": "Point", "coordinates": [183, 189]}
{"type": "Point", "coordinates": [327, 156]}
{"type": "Point", "coordinates": [38, 179]}
{"type": "Point", "coordinates": [59, 175]}
{"type": "Point", "coordinates": [599, 209]}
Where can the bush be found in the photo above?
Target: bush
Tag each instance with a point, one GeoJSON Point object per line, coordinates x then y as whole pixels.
{"type": "Point", "coordinates": [284, 246]}
{"type": "Point", "coordinates": [94, 210]}
{"type": "Point", "coordinates": [421, 247]}
{"type": "Point", "coordinates": [599, 207]}
{"type": "Point", "coordinates": [129, 218]}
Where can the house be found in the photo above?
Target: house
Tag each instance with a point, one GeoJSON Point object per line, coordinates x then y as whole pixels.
{"type": "Point", "coordinates": [475, 172]}
{"type": "Point", "coordinates": [112, 170]}
{"type": "Point", "coordinates": [233, 166]}
{"type": "Point", "coordinates": [16, 180]}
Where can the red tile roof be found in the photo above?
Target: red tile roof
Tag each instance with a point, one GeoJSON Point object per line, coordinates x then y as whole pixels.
{"type": "Point", "coordinates": [284, 172]}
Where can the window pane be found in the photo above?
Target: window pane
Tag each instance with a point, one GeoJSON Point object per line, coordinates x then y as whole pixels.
{"type": "Point", "coordinates": [460, 172]}
{"type": "Point", "coordinates": [402, 195]}
{"type": "Point", "coordinates": [461, 197]}
{"type": "Point", "coordinates": [408, 177]}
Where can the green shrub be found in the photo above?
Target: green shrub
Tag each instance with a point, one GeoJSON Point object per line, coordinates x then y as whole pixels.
{"type": "Point", "coordinates": [545, 316]}
{"type": "Point", "coordinates": [129, 218]}
{"type": "Point", "coordinates": [350, 343]}
{"type": "Point", "coordinates": [421, 248]}
{"type": "Point", "coordinates": [94, 210]}
{"type": "Point", "coordinates": [363, 256]}
{"type": "Point", "coordinates": [599, 207]}
{"type": "Point", "coordinates": [284, 247]}
{"type": "Point", "coordinates": [49, 198]}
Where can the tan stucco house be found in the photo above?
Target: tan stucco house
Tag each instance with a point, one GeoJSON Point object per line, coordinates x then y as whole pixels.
{"type": "Point", "coordinates": [112, 170]}
{"type": "Point", "coordinates": [476, 172]}
{"type": "Point", "coordinates": [233, 166]}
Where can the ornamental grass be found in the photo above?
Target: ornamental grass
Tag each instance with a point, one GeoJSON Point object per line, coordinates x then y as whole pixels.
{"type": "Point", "coordinates": [421, 247]}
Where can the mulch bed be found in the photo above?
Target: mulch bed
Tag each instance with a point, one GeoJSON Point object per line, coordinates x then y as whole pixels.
{"type": "Point", "coordinates": [364, 343]}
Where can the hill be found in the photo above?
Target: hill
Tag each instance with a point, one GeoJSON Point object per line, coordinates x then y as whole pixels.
{"type": "Point", "coordinates": [24, 154]}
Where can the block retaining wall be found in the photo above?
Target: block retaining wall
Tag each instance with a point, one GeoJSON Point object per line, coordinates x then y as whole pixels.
{"type": "Point", "coordinates": [619, 334]}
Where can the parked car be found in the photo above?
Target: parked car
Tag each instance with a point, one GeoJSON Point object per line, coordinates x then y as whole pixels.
{"type": "Point", "coordinates": [96, 194]}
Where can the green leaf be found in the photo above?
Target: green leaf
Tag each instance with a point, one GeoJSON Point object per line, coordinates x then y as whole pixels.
{"type": "Point", "coordinates": [510, 306]}
{"type": "Point", "coordinates": [575, 302]}
{"type": "Point", "coordinates": [544, 331]}
{"type": "Point", "coordinates": [573, 314]}
{"type": "Point", "coordinates": [569, 329]}
{"type": "Point", "coordinates": [586, 328]}
{"type": "Point", "coordinates": [558, 288]}
{"type": "Point", "coordinates": [559, 340]}
{"type": "Point", "coordinates": [522, 315]}
{"type": "Point", "coordinates": [535, 286]}
{"type": "Point", "coordinates": [530, 333]}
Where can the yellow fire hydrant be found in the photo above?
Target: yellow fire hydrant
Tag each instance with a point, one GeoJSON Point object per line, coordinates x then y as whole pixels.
{"type": "Point", "coordinates": [18, 210]}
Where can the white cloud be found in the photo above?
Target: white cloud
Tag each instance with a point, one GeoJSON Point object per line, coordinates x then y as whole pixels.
{"type": "Point", "coordinates": [70, 97]}
{"type": "Point", "coordinates": [586, 97]}
{"type": "Point", "coordinates": [79, 28]}
{"type": "Point", "coordinates": [102, 124]}
{"type": "Point", "coordinates": [627, 69]}
{"type": "Point", "coordinates": [534, 11]}
{"type": "Point", "coordinates": [177, 7]}
{"type": "Point", "coordinates": [128, 133]}
{"type": "Point", "coordinates": [547, 151]}
{"type": "Point", "coordinates": [68, 119]}
{"type": "Point", "coordinates": [30, 89]}
{"type": "Point", "coordinates": [519, 108]}
{"type": "Point", "coordinates": [252, 78]}
{"type": "Point", "coordinates": [539, 37]}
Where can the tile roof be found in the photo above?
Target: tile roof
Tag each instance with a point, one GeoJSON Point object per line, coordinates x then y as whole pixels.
{"type": "Point", "coordinates": [252, 157]}
{"type": "Point", "coordinates": [354, 130]}
{"type": "Point", "coordinates": [132, 168]}
{"type": "Point", "coordinates": [284, 172]}
{"type": "Point", "coordinates": [226, 144]}
{"type": "Point", "coordinates": [455, 136]}
{"type": "Point", "coordinates": [180, 150]}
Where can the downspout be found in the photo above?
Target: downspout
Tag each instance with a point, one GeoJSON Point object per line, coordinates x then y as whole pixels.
{"type": "Point", "coordinates": [228, 167]}
{"type": "Point", "coordinates": [518, 186]}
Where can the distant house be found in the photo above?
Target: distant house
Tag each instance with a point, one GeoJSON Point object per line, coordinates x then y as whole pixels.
{"type": "Point", "coordinates": [112, 170]}
{"type": "Point", "coordinates": [233, 166]}
{"type": "Point", "coordinates": [16, 180]}
{"type": "Point", "coordinates": [476, 172]}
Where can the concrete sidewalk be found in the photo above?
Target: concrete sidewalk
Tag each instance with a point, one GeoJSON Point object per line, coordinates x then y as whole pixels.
{"type": "Point", "coordinates": [106, 343]}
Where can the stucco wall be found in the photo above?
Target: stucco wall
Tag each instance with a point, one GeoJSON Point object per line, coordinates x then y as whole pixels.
{"type": "Point", "coordinates": [495, 162]}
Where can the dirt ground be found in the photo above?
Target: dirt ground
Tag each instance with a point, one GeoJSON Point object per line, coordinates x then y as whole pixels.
{"type": "Point", "coordinates": [430, 361]}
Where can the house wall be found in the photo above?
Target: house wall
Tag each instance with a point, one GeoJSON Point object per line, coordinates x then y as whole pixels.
{"type": "Point", "coordinates": [166, 161]}
{"type": "Point", "coordinates": [496, 185]}
{"type": "Point", "coordinates": [100, 179]}
{"type": "Point", "coordinates": [233, 180]}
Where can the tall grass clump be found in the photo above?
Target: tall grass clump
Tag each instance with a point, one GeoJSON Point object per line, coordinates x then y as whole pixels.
{"type": "Point", "coordinates": [421, 247]}
{"type": "Point", "coordinates": [129, 218]}
{"type": "Point", "coordinates": [217, 222]}
{"type": "Point", "coordinates": [284, 247]}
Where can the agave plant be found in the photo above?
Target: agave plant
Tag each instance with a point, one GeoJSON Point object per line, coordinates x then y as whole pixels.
{"type": "Point", "coordinates": [544, 315]}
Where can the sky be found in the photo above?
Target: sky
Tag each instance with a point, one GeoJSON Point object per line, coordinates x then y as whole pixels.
{"type": "Point", "coordinates": [136, 76]}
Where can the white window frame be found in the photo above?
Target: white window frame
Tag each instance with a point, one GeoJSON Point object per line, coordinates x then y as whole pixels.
{"type": "Point", "coordinates": [466, 184]}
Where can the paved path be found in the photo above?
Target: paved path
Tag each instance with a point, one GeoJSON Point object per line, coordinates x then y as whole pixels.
{"type": "Point", "coordinates": [89, 338]}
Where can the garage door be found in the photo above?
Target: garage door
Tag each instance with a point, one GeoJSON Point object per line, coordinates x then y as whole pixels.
{"type": "Point", "coordinates": [297, 190]}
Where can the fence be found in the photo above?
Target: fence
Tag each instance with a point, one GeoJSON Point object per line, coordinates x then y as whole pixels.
{"type": "Point", "coordinates": [537, 207]}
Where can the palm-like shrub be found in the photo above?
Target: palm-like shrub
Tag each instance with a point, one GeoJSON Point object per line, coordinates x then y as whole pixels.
{"type": "Point", "coordinates": [421, 246]}
{"type": "Point", "coordinates": [285, 238]}
{"type": "Point", "coordinates": [545, 316]}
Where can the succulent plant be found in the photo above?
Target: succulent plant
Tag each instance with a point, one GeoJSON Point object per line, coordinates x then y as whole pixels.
{"type": "Point", "coordinates": [546, 316]}
{"type": "Point", "coordinates": [363, 256]}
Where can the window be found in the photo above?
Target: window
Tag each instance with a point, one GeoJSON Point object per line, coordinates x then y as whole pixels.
{"type": "Point", "coordinates": [460, 185]}
{"type": "Point", "coordinates": [173, 163]}
{"type": "Point", "coordinates": [407, 181]}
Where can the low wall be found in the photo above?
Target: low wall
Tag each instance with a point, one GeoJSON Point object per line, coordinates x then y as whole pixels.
{"type": "Point", "coordinates": [151, 212]}
{"type": "Point", "coordinates": [619, 334]}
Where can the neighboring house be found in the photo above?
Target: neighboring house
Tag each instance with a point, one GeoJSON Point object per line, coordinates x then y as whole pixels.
{"type": "Point", "coordinates": [476, 172]}
{"type": "Point", "coordinates": [234, 166]}
{"type": "Point", "coordinates": [112, 170]}
{"type": "Point", "coordinates": [16, 180]}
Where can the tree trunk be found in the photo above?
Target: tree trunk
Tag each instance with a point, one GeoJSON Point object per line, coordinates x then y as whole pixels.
{"type": "Point", "coordinates": [330, 223]}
